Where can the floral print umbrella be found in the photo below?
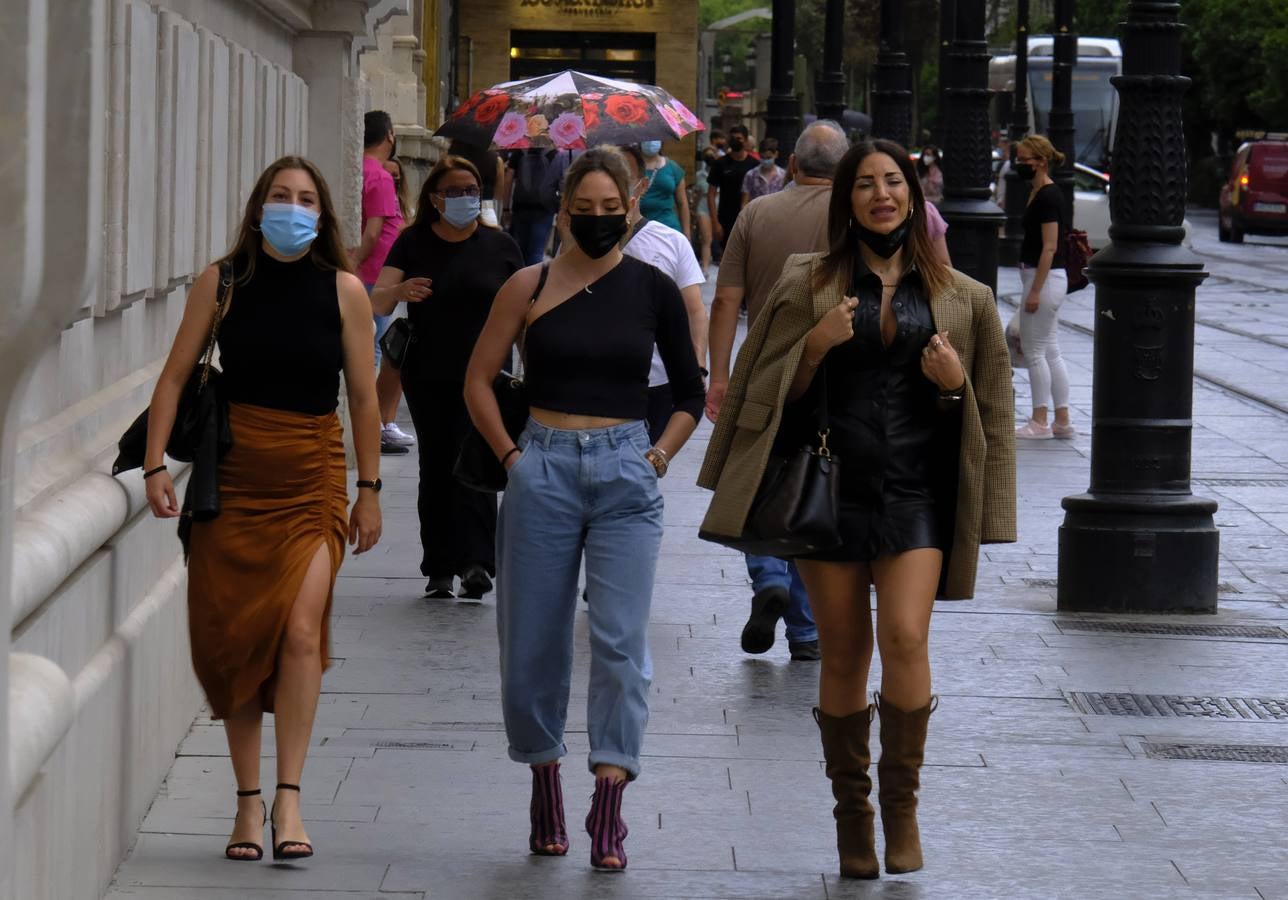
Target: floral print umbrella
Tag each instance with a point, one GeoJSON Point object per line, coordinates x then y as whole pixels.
{"type": "Point", "coordinates": [569, 111]}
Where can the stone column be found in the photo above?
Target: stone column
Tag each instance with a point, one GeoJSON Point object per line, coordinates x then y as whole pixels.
{"type": "Point", "coordinates": [1139, 540]}
{"type": "Point", "coordinates": [50, 251]}
{"type": "Point", "coordinates": [892, 98]}
{"type": "Point", "coordinates": [973, 218]}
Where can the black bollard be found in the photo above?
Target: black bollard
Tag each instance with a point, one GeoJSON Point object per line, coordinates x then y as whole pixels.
{"type": "Point", "coordinates": [1139, 540]}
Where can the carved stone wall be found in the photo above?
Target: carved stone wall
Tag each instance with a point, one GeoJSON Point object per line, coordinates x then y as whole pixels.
{"type": "Point", "coordinates": [157, 119]}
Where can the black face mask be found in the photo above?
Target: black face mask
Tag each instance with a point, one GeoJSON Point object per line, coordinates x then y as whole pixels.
{"type": "Point", "coordinates": [1025, 171]}
{"type": "Point", "coordinates": [736, 145]}
{"type": "Point", "coordinates": [885, 245]}
{"type": "Point", "coordinates": [596, 235]}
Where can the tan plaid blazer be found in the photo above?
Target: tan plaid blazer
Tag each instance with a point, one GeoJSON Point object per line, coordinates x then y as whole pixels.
{"type": "Point", "coordinates": [753, 407]}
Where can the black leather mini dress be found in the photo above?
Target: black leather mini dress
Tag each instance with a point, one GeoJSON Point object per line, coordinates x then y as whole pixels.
{"type": "Point", "coordinates": [885, 427]}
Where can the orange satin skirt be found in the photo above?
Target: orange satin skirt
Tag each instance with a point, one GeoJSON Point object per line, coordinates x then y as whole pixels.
{"type": "Point", "coordinates": [282, 496]}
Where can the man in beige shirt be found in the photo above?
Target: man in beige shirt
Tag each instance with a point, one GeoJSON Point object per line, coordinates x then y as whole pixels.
{"type": "Point", "coordinates": [770, 229]}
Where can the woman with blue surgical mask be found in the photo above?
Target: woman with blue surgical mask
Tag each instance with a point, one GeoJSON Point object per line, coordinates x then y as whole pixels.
{"type": "Point", "coordinates": [261, 573]}
{"type": "Point", "coordinates": [666, 201]}
{"type": "Point", "coordinates": [448, 265]}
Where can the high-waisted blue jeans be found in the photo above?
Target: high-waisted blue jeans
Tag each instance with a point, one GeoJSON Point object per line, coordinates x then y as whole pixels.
{"type": "Point", "coordinates": [572, 493]}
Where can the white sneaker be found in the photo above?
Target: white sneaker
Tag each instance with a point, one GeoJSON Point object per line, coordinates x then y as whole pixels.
{"type": "Point", "coordinates": [392, 434]}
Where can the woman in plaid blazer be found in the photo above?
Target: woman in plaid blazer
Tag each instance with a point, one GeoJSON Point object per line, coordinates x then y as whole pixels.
{"type": "Point", "coordinates": [921, 417]}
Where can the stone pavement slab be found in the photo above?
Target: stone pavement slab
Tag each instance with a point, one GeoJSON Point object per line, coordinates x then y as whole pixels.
{"type": "Point", "coordinates": [1027, 791]}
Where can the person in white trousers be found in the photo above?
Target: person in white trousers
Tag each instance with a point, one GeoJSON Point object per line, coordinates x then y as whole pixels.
{"type": "Point", "coordinates": [1047, 220]}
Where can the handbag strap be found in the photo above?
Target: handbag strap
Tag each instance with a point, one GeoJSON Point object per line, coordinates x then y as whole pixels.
{"type": "Point", "coordinates": [523, 332]}
{"type": "Point", "coordinates": [221, 306]}
{"type": "Point", "coordinates": [823, 427]}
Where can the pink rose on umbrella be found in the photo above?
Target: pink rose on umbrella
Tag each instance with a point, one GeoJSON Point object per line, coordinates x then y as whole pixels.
{"type": "Point", "coordinates": [567, 129]}
{"type": "Point", "coordinates": [513, 128]}
{"type": "Point", "coordinates": [672, 119]}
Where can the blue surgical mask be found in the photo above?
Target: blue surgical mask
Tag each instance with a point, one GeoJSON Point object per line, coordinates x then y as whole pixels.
{"type": "Point", "coordinates": [651, 148]}
{"type": "Point", "coordinates": [461, 211]}
{"type": "Point", "coordinates": [767, 163]}
{"type": "Point", "coordinates": [289, 228]}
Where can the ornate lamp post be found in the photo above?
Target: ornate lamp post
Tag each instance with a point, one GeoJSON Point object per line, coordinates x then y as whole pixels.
{"type": "Point", "coordinates": [782, 118]}
{"type": "Point", "coordinates": [892, 98]}
{"type": "Point", "coordinates": [947, 28]}
{"type": "Point", "coordinates": [1139, 540]}
{"type": "Point", "coordinates": [968, 206]}
{"type": "Point", "coordinates": [1061, 126]}
{"type": "Point", "coordinates": [1017, 189]}
{"type": "Point", "coordinates": [829, 89]}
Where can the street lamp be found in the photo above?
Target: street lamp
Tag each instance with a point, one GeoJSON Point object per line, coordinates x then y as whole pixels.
{"type": "Point", "coordinates": [1061, 124]}
{"type": "Point", "coordinates": [1017, 189]}
{"type": "Point", "coordinates": [782, 115]}
{"type": "Point", "coordinates": [892, 97]}
{"type": "Point", "coordinates": [968, 206]}
{"type": "Point", "coordinates": [829, 89]}
{"type": "Point", "coordinates": [1139, 540]}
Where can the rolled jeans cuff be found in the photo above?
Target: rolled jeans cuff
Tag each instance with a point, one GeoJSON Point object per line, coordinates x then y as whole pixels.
{"type": "Point", "coordinates": [609, 758]}
{"type": "Point", "coordinates": [559, 751]}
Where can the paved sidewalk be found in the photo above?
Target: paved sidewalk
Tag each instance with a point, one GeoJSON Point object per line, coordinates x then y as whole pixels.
{"type": "Point", "coordinates": [1031, 788]}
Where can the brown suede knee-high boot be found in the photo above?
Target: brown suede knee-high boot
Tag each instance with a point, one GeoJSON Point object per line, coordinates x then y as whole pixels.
{"type": "Point", "coordinates": [903, 747]}
{"type": "Point", "coordinates": [845, 749]}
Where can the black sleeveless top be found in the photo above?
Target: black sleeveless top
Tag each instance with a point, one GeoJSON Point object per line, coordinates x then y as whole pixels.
{"type": "Point", "coordinates": [279, 344]}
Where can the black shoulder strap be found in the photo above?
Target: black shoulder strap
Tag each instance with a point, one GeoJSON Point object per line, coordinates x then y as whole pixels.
{"type": "Point", "coordinates": [639, 226]}
{"type": "Point", "coordinates": [541, 282]}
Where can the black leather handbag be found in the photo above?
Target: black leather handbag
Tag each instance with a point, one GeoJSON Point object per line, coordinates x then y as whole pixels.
{"type": "Point", "coordinates": [201, 433]}
{"type": "Point", "coordinates": [796, 508]}
{"type": "Point", "coordinates": [395, 341]}
{"type": "Point", "coordinates": [476, 465]}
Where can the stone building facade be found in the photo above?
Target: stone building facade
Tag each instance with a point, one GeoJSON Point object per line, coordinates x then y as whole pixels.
{"type": "Point", "coordinates": [141, 127]}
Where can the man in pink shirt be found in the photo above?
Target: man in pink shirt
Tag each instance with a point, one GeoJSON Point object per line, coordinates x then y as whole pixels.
{"type": "Point", "coordinates": [381, 222]}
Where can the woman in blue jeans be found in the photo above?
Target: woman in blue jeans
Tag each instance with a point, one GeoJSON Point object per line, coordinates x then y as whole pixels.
{"type": "Point", "coordinates": [583, 482]}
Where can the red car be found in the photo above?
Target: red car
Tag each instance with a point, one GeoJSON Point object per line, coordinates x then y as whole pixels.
{"type": "Point", "coordinates": [1254, 199]}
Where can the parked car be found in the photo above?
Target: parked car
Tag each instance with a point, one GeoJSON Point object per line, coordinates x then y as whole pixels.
{"type": "Point", "coordinates": [1091, 204]}
{"type": "Point", "coordinates": [1254, 198]}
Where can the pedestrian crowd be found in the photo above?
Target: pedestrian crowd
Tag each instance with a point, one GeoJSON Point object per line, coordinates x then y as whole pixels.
{"type": "Point", "coordinates": [872, 390]}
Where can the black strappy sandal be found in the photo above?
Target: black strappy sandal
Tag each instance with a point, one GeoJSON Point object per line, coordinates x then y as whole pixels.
{"type": "Point", "coordinates": [299, 849]}
{"type": "Point", "coordinates": [248, 845]}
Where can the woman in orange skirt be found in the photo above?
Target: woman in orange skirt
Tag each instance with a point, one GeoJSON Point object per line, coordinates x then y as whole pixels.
{"type": "Point", "coordinates": [261, 573]}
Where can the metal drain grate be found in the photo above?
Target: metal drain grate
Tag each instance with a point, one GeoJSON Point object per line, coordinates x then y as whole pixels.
{"type": "Point", "coordinates": [1253, 753]}
{"type": "Point", "coordinates": [1180, 706]}
{"type": "Point", "coordinates": [1242, 482]}
{"type": "Point", "coordinates": [415, 745]}
{"type": "Point", "coordinates": [1245, 631]}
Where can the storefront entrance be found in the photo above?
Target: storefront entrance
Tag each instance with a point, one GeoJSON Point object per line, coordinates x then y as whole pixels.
{"type": "Point", "coordinates": [612, 54]}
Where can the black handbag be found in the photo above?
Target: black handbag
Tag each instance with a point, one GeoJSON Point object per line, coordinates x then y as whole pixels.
{"type": "Point", "coordinates": [394, 342]}
{"type": "Point", "coordinates": [477, 467]}
{"type": "Point", "coordinates": [795, 510]}
{"type": "Point", "coordinates": [201, 433]}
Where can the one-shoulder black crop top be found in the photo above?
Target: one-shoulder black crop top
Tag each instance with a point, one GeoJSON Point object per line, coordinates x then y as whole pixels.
{"type": "Point", "coordinates": [590, 355]}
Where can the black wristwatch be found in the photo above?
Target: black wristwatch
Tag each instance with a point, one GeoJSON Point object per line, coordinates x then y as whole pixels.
{"type": "Point", "coordinates": [374, 485]}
